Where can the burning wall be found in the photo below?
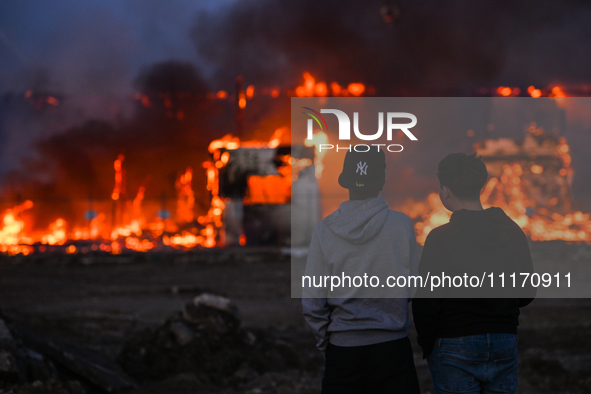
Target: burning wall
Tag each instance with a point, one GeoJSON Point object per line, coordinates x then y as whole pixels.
{"type": "Point", "coordinates": [253, 181]}
{"type": "Point", "coordinates": [542, 164]}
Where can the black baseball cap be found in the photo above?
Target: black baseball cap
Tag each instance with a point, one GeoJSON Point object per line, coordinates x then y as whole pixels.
{"type": "Point", "coordinates": [364, 170]}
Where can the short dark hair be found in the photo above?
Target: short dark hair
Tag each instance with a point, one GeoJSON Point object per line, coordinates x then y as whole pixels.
{"type": "Point", "coordinates": [465, 175]}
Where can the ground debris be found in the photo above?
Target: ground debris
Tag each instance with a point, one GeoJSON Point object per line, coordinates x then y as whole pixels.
{"type": "Point", "coordinates": [206, 341]}
{"type": "Point", "coordinates": [212, 313]}
{"type": "Point", "coordinates": [30, 363]}
{"type": "Point", "coordinates": [50, 386]}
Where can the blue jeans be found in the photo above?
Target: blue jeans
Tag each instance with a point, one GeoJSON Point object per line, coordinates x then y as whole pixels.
{"type": "Point", "coordinates": [483, 364]}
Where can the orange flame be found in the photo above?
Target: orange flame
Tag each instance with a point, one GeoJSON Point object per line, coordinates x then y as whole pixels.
{"type": "Point", "coordinates": [535, 93]}
{"type": "Point", "coordinates": [118, 189]}
{"type": "Point", "coordinates": [57, 235]}
{"type": "Point", "coordinates": [311, 88]}
{"type": "Point", "coordinates": [356, 89]}
{"type": "Point", "coordinates": [12, 238]}
{"type": "Point", "coordinates": [186, 196]}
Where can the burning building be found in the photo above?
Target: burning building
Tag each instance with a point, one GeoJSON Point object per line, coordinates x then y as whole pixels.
{"type": "Point", "coordinates": [540, 162]}
{"type": "Point", "coordinates": [531, 179]}
{"type": "Point", "coordinates": [260, 191]}
{"type": "Point", "coordinates": [251, 184]}
{"type": "Point", "coordinates": [246, 192]}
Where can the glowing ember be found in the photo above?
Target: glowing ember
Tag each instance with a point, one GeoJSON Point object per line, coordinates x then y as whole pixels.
{"type": "Point", "coordinates": [504, 91]}
{"type": "Point", "coordinates": [555, 92]}
{"type": "Point", "coordinates": [185, 239]}
{"type": "Point", "coordinates": [250, 91]}
{"type": "Point", "coordinates": [276, 138]}
{"type": "Point", "coordinates": [426, 215]}
{"type": "Point", "coordinates": [241, 100]}
{"type": "Point", "coordinates": [535, 93]}
{"type": "Point", "coordinates": [356, 89]}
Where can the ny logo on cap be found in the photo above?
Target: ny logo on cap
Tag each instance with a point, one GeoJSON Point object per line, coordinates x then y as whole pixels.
{"type": "Point", "coordinates": [361, 168]}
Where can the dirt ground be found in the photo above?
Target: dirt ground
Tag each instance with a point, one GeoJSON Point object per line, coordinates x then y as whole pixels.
{"type": "Point", "coordinates": [101, 301]}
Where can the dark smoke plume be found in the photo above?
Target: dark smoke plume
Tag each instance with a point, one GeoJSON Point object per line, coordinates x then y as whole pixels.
{"type": "Point", "coordinates": [432, 48]}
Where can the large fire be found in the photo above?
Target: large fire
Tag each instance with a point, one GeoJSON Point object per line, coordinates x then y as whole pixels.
{"type": "Point", "coordinates": [135, 232]}
{"type": "Point", "coordinates": [530, 180]}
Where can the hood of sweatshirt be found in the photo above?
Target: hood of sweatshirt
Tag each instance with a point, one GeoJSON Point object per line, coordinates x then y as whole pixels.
{"type": "Point", "coordinates": [489, 228]}
{"type": "Point", "coordinates": [358, 221]}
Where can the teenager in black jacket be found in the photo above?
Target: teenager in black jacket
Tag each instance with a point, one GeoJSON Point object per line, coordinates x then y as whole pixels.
{"type": "Point", "coordinates": [470, 343]}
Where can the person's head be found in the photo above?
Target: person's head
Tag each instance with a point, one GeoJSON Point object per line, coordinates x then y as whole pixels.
{"type": "Point", "coordinates": [364, 173]}
{"type": "Point", "coordinates": [461, 178]}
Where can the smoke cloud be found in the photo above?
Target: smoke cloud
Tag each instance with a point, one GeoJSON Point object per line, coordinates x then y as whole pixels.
{"type": "Point", "coordinates": [440, 47]}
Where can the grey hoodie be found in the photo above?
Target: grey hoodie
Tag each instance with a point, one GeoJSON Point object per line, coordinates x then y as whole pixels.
{"type": "Point", "coordinates": [362, 236]}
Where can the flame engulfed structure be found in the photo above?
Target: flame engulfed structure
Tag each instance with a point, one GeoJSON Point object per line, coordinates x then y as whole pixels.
{"type": "Point", "coordinates": [135, 232]}
{"type": "Point", "coordinates": [530, 180]}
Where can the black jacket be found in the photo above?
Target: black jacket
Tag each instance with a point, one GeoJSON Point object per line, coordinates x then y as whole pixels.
{"type": "Point", "coordinates": [473, 242]}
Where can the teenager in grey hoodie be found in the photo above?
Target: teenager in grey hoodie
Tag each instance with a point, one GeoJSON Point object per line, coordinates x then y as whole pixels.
{"type": "Point", "coordinates": [364, 339]}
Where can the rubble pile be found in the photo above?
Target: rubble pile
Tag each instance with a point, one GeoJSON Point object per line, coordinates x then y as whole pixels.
{"type": "Point", "coordinates": [207, 342]}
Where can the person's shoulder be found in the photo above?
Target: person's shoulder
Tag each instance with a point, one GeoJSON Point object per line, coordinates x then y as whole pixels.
{"type": "Point", "coordinates": [438, 233]}
{"type": "Point", "coordinates": [512, 225]}
{"type": "Point", "coordinates": [400, 219]}
{"type": "Point", "coordinates": [399, 216]}
{"type": "Point", "coordinates": [322, 225]}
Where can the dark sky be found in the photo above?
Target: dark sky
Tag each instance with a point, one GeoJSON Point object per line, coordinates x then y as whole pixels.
{"type": "Point", "coordinates": [92, 47]}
